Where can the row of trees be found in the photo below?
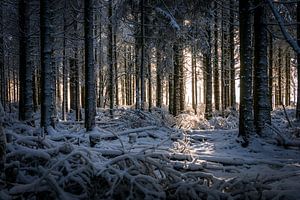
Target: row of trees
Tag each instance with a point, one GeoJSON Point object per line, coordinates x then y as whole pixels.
{"type": "Point", "coordinates": [72, 54]}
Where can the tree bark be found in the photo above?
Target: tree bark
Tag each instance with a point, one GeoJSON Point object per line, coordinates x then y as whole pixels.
{"type": "Point", "coordinates": [110, 59]}
{"type": "Point", "coordinates": [287, 78]}
{"type": "Point", "coordinates": [232, 61]}
{"type": "Point", "coordinates": [271, 69]}
{"type": "Point", "coordinates": [65, 69]}
{"type": "Point", "coordinates": [158, 78]}
{"type": "Point", "coordinates": [25, 67]}
{"type": "Point", "coordinates": [2, 70]}
{"type": "Point", "coordinates": [47, 79]}
{"type": "Point", "coordinates": [142, 66]}
{"type": "Point", "coordinates": [298, 63]}
{"type": "Point", "coordinates": [149, 84]}
{"type": "Point", "coordinates": [90, 96]}
{"type": "Point", "coordinates": [262, 113]}
{"type": "Point", "coordinates": [246, 111]}
{"type": "Point", "coordinates": [208, 75]}
{"type": "Point", "coordinates": [216, 61]}
{"type": "Point", "coordinates": [176, 81]}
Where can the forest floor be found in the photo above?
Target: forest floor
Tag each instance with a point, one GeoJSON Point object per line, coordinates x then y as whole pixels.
{"type": "Point", "coordinates": [143, 155]}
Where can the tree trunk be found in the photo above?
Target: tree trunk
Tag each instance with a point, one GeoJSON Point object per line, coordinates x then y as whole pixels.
{"type": "Point", "coordinates": [246, 111]}
{"type": "Point", "coordinates": [171, 93]}
{"type": "Point", "coordinates": [208, 75]}
{"type": "Point", "coordinates": [142, 67]}
{"type": "Point", "coordinates": [25, 67]}
{"type": "Point", "coordinates": [158, 78]}
{"type": "Point", "coordinates": [176, 79]}
{"type": "Point", "coordinates": [110, 59]}
{"type": "Point", "coordinates": [149, 84]}
{"type": "Point", "coordinates": [271, 69]}
{"type": "Point", "coordinates": [90, 96]}
{"type": "Point", "coordinates": [216, 61]}
{"type": "Point", "coordinates": [65, 69]}
{"type": "Point", "coordinates": [279, 83]}
{"type": "Point", "coordinates": [194, 85]}
{"type": "Point", "coordinates": [262, 113]}
{"type": "Point", "coordinates": [298, 63]}
{"type": "Point", "coordinates": [2, 70]}
{"type": "Point", "coordinates": [47, 79]}
{"type": "Point", "coordinates": [287, 78]}
{"type": "Point", "coordinates": [115, 64]}
{"type": "Point", "coordinates": [232, 61]}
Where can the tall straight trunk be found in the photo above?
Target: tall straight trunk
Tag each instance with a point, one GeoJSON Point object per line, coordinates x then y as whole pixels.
{"type": "Point", "coordinates": [181, 80]}
{"type": "Point", "coordinates": [232, 61]}
{"type": "Point", "coordinates": [176, 79]}
{"type": "Point", "coordinates": [115, 65]}
{"type": "Point", "coordinates": [34, 89]}
{"type": "Point", "coordinates": [47, 79]}
{"type": "Point", "coordinates": [287, 78]}
{"type": "Point", "coordinates": [262, 113]}
{"type": "Point", "coordinates": [216, 61]}
{"type": "Point", "coordinates": [127, 75]}
{"type": "Point", "coordinates": [194, 85]}
{"type": "Point", "coordinates": [110, 59]}
{"type": "Point", "coordinates": [90, 96]}
{"type": "Point", "coordinates": [298, 63]}
{"type": "Point", "coordinates": [271, 69]}
{"type": "Point", "coordinates": [101, 71]}
{"type": "Point", "coordinates": [149, 84]}
{"type": "Point", "coordinates": [246, 109]}
{"type": "Point", "coordinates": [279, 83]}
{"type": "Point", "coordinates": [2, 70]}
{"type": "Point", "coordinates": [158, 78]}
{"type": "Point", "coordinates": [25, 67]}
{"type": "Point", "coordinates": [171, 93]}
{"type": "Point", "coordinates": [142, 66]}
{"type": "Point", "coordinates": [223, 62]}
{"type": "Point", "coordinates": [65, 70]}
{"type": "Point", "coordinates": [208, 75]}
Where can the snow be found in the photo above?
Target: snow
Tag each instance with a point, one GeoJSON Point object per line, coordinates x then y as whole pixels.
{"type": "Point", "coordinates": [141, 155]}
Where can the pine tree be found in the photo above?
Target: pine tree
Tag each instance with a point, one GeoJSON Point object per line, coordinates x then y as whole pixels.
{"type": "Point", "coordinates": [90, 96]}
{"type": "Point", "coordinates": [47, 79]}
{"type": "Point", "coordinates": [261, 107]}
{"type": "Point", "coordinates": [246, 111]}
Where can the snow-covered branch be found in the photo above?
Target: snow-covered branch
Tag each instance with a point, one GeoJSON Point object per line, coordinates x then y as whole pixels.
{"type": "Point", "coordinates": [285, 33]}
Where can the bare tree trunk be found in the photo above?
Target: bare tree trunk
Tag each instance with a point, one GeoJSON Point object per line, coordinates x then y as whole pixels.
{"type": "Point", "coordinates": [47, 79]}
{"type": "Point", "coordinates": [271, 69]}
{"type": "Point", "coordinates": [158, 78]}
{"type": "Point", "coordinates": [65, 69]}
{"type": "Point", "coordinates": [110, 59]}
{"type": "Point", "coordinates": [298, 63]}
{"type": "Point", "coordinates": [232, 61]}
{"type": "Point", "coordinates": [216, 61]}
{"type": "Point", "coordinates": [181, 80]}
{"type": "Point", "coordinates": [194, 85]}
{"type": "Point", "coordinates": [171, 93]}
{"type": "Point", "coordinates": [176, 79]}
{"type": "Point", "coordinates": [149, 84]}
{"type": "Point", "coordinates": [246, 109]}
{"type": "Point", "coordinates": [287, 78]}
{"type": "Point", "coordinates": [279, 84]}
{"type": "Point", "coordinates": [142, 68]}
{"type": "Point", "coordinates": [90, 96]}
{"type": "Point", "coordinates": [2, 70]}
{"type": "Point", "coordinates": [115, 64]}
{"type": "Point", "coordinates": [25, 67]}
{"type": "Point", "coordinates": [208, 75]}
{"type": "Point", "coordinates": [262, 113]}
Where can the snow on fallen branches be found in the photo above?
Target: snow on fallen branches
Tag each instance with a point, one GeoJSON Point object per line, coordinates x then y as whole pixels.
{"type": "Point", "coordinates": [161, 163]}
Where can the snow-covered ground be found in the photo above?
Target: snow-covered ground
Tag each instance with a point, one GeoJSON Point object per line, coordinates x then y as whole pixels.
{"type": "Point", "coordinates": [141, 155]}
